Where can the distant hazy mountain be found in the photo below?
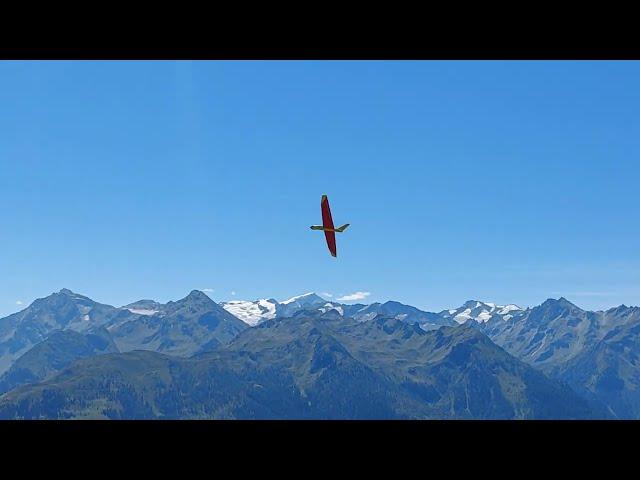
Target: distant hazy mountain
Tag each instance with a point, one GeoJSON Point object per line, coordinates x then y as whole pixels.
{"type": "Point", "coordinates": [194, 324]}
{"type": "Point", "coordinates": [596, 353]}
{"type": "Point", "coordinates": [608, 372]}
{"type": "Point", "coordinates": [551, 334]}
{"type": "Point", "coordinates": [188, 326]}
{"type": "Point", "coordinates": [56, 352]}
{"type": "Point", "coordinates": [460, 373]}
{"type": "Point", "coordinates": [312, 365]}
{"type": "Point", "coordinates": [63, 310]}
{"type": "Point", "coordinates": [405, 313]}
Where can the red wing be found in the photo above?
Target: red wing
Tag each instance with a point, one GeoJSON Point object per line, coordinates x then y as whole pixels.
{"type": "Point", "coordinates": [327, 221]}
{"type": "Point", "coordinates": [331, 242]}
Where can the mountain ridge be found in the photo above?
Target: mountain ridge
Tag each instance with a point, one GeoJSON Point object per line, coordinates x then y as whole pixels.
{"type": "Point", "coordinates": [312, 365]}
{"type": "Point", "coordinates": [591, 351]}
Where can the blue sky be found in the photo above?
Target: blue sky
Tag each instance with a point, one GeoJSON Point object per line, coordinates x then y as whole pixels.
{"type": "Point", "coordinates": [500, 181]}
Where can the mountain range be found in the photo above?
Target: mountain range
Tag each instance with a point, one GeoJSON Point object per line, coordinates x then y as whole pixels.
{"type": "Point", "coordinates": [258, 311]}
{"type": "Point", "coordinates": [66, 356]}
{"type": "Point", "coordinates": [185, 327]}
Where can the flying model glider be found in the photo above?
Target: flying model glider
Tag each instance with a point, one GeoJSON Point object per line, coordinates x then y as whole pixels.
{"type": "Point", "coordinates": [327, 226]}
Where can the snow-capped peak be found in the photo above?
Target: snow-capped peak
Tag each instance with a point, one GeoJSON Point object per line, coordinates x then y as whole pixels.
{"type": "Point", "coordinates": [253, 313]}
{"type": "Point", "coordinates": [304, 298]}
{"type": "Point", "coordinates": [508, 308]}
{"type": "Point", "coordinates": [481, 311]}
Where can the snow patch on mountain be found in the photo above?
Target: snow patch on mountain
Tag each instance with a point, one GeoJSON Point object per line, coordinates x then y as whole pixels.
{"type": "Point", "coordinates": [462, 316]}
{"type": "Point", "coordinates": [143, 311]}
{"type": "Point", "coordinates": [331, 306]}
{"type": "Point", "coordinates": [251, 313]}
{"type": "Point", "coordinates": [508, 308]}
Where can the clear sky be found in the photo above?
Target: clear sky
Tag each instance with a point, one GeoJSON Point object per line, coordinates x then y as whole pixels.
{"type": "Point", "coordinates": [499, 181]}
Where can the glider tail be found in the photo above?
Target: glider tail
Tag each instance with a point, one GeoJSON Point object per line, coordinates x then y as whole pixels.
{"type": "Point", "coordinates": [342, 228]}
{"type": "Point", "coordinates": [317, 227]}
